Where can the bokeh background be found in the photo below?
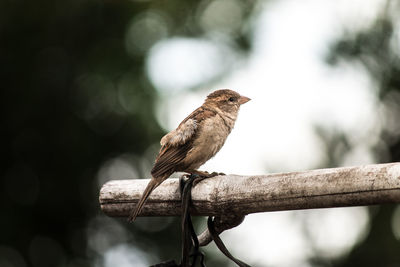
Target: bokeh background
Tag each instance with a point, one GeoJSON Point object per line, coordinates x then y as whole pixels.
{"type": "Point", "coordinates": [89, 87]}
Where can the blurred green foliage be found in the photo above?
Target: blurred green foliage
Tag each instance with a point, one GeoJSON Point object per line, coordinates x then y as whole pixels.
{"type": "Point", "coordinates": [375, 49]}
{"type": "Point", "coordinates": [74, 94]}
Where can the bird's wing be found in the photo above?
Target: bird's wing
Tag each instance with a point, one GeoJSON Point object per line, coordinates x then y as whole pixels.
{"type": "Point", "coordinates": [187, 128]}
{"type": "Point", "coordinates": [180, 135]}
{"type": "Point", "coordinates": [176, 144]}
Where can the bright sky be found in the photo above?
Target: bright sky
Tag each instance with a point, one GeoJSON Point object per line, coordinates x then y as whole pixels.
{"type": "Point", "coordinates": [292, 90]}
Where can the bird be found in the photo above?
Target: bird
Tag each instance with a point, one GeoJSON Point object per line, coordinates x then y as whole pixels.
{"type": "Point", "coordinates": [197, 139]}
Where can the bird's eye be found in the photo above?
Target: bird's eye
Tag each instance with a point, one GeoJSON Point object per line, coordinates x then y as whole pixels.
{"type": "Point", "coordinates": [232, 99]}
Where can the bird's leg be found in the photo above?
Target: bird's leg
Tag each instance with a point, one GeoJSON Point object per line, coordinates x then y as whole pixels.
{"type": "Point", "coordinates": [216, 174]}
{"type": "Point", "coordinates": [205, 174]}
{"type": "Point", "coordinates": [202, 175]}
{"type": "Point", "coordinates": [198, 176]}
{"type": "Point", "coordinates": [199, 173]}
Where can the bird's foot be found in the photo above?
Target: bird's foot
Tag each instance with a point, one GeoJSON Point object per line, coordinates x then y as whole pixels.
{"type": "Point", "coordinates": [197, 176]}
{"type": "Point", "coordinates": [216, 174]}
{"type": "Point", "coordinates": [203, 175]}
{"type": "Point", "coordinates": [206, 174]}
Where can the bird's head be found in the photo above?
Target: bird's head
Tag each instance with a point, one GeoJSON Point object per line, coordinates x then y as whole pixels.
{"type": "Point", "coordinates": [226, 100]}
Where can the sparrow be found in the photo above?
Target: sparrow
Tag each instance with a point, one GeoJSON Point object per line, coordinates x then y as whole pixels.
{"type": "Point", "coordinates": [197, 139]}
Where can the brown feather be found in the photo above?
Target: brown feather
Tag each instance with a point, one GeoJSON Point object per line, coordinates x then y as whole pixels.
{"type": "Point", "coordinates": [192, 143]}
{"type": "Point", "coordinates": [223, 93]}
{"type": "Point", "coordinates": [171, 157]}
{"type": "Point", "coordinates": [199, 114]}
{"type": "Point", "coordinates": [149, 188]}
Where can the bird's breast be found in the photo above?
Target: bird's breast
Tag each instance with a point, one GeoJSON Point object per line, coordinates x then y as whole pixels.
{"type": "Point", "coordinates": [209, 140]}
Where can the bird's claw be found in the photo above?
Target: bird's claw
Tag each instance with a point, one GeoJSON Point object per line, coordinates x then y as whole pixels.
{"type": "Point", "coordinates": [206, 174]}
{"type": "Point", "coordinates": [197, 177]}
{"type": "Point", "coordinates": [213, 174]}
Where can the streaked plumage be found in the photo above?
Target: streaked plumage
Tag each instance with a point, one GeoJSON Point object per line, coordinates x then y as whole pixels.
{"type": "Point", "coordinates": [197, 139]}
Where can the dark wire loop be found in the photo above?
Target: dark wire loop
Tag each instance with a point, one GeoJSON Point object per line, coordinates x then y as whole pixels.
{"type": "Point", "coordinates": [190, 241]}
{"type": "Point", "coordinates": [220, 244]}
{"type": "Point", "coordinates": [189, 236]}
{"type": "Point", "coordinates": [186, 240]}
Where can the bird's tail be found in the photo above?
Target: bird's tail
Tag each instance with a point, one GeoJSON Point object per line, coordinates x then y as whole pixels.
{"type": "Point", "coordinates": [150, 187]}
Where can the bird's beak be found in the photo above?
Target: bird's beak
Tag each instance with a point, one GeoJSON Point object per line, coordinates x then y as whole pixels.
{"type": "Point", "coordinates": [243, 99]}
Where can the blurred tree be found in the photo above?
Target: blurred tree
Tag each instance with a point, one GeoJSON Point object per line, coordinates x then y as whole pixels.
{"type": "Point", "coordinates": [74, 95]}
{"type": "Point", "coordinates": [376, 49]}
